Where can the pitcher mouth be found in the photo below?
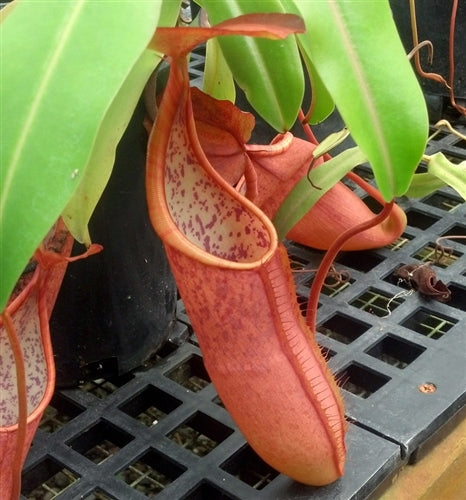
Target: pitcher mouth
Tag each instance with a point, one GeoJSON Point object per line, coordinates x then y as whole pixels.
{"type": "Point", "coordinates": [194, 209]}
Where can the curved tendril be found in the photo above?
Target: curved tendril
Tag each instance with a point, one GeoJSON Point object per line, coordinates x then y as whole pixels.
{"type": "Point", "coordinates": [419, 46]}
{"type": "Point", "coordinates": [329, 257]}
{"type": "Point", "coordinates": [417, 61]}
{"type": "Point", "coordinates": [451, 54]}
{"type": "Point", "coordinates": [442, 251]}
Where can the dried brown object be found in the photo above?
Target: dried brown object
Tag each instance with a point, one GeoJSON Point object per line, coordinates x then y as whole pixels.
{"type": "Point", "coordinates": [423, 279]}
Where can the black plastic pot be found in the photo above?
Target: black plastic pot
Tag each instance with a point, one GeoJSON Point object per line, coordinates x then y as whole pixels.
{"type": "Point", "coordinates": [115, 309]}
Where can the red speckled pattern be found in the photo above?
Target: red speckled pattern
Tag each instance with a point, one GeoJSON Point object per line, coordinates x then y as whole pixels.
{"type": "Point", "coordinates": [205, 214]}
{"type": "Point", "coordinates": [265, 365]}
{"type": "Point", "coordinates": [236, 284]}
{"type": "Point", "coordinates": [26, 321]}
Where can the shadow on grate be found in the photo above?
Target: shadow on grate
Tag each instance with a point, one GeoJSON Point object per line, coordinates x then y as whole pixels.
{"type": "Point", "coordinates": [163, 432]}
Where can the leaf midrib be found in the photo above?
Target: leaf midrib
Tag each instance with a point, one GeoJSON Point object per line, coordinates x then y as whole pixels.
{"type": "Point", "coordinates": [359, 74]}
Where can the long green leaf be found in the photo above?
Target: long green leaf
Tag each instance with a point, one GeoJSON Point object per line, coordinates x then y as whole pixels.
{"type": "Point", "coordinates": [304, 195]}
{"type": "Point", "coordinates": [268, 71]}
{"type": "Point", "coordinates": [63, 63]}
{"type": "Point", "coordinates": [357, 52]}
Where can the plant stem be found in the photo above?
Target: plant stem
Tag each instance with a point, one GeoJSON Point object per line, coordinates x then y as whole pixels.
{"type": "Point", "coordinates": [329, 257]}
{"type": "Point", "coordinates": [15, 344]}
{"type": "Point", "coordinates": [306, 128]}
{"type": "Point", "coordinates": [368, 188]}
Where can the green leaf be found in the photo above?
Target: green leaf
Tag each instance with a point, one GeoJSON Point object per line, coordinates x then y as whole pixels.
{"type": "Point", "coordinates": [451, 173]}
{"type": "Point", "coordinates": [218, 80]}
{"type": "Point", "coordinates": [268, 71]}
{"type": "Point", "coordinates": [304, 195]}
{"type": "Point", "coordinates": [322, 103]}
{"type": "Point", "coordinates": [357, 52]}
{"type": "Point", "coordinates": [63, 63]}
{"type": "Point", "coordinates": [423, 184]}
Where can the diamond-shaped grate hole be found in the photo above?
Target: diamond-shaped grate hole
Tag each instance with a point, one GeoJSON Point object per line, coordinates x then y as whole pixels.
{"type": "Point", "coordinates": [361, 381]}
{"type": "Point", "coordinates": [59, 412]}
{"type": "Point", "coordinates": [100, 442]}
{"type": "Point", "coordinates": [190, 374]}
{"type": "Point", "coordinates": [247, 466]}
{"type": "Point", "coordinates": [47, 480]}
{"type": "Point", "coordinates": [443, 201]}
{"type": "Point", "coordinates": [102, 388]}
{"type": "Point", "coordinates": [361, 261]}
{"type": "Point", "coordinates": [151, 474]}
{"type": "Point", "coordinates": [343, 328]}
{"type": "Point", "coordinates": [207, 490]}
{"type": "Point", "coordinates": [98, 494]}
{"type": "Point", "coordinates": [458, 296]}
{"type": "Point", "coordinates": [420, 219]}
{"type": "Point", "coordinates": [395, 351]}
{"type": "Point", "coordinates": [432, 325]}
{"type": "Point", "coordinates": [200, 434]}
{"type": "Point", "coordinates": [399, 243]}
{"type": "Point", "coordinates": [377, 303]}
{"type": "Point", "coordinates": [458, 230]}
{"type": "Point", "coordinates": [151, 405]}
{"type": "Point", "coordinates": [430, 253]}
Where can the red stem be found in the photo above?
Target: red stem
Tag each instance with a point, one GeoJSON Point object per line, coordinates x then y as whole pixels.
{"type": "Point", "coordinates": [307, 129]}
{"type": "Point", "coordinates": [17, 462]}
{"type": "Point", "coordinates": [329, 257]}
{"type": "Point", "coordinates": [451, 43]}
{"type": "Point", "coordinates": [451, 50]}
